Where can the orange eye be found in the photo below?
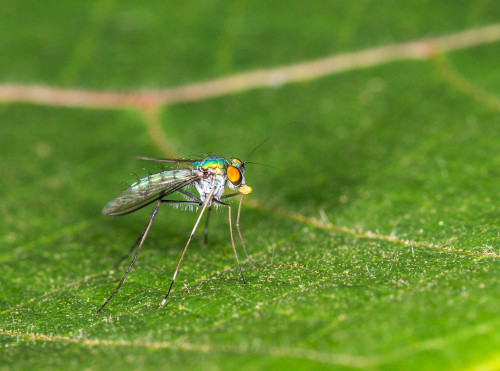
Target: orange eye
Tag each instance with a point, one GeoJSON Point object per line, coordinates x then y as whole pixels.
{"type": "Point", "coordinates": [234, 175]}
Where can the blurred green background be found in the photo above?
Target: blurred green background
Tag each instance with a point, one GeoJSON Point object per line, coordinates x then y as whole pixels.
{"type": "Point", "coordinates": [375, 231]}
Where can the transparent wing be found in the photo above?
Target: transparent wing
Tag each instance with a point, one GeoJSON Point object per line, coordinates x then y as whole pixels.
{"type": "Point", "coordinates": [149, 189]}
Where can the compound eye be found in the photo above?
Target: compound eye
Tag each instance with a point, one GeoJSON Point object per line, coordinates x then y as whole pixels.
{"type": "Point", "coordinates": [234, 175]}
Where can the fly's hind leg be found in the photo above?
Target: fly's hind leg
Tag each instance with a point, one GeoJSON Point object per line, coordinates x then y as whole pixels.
{"type": "Point", "coordinates": [138, 243]}
{"type": "Point", "coordinates": [134, 246]}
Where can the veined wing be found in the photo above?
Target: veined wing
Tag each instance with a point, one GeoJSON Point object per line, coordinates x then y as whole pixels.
{"type": "Point", "coordinates": [149, 189]}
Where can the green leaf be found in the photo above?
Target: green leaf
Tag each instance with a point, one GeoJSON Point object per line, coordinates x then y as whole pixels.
{"type": "Point", "coordinates": [375, 227]}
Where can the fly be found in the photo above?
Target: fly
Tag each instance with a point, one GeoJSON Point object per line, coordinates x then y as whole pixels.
{"type": "Point", "coordinates": [208, 176]}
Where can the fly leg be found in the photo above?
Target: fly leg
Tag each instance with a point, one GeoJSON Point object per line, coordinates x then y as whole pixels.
{"type": "Point", "coordinates": [136, 243]}
{"type": "Point", "coordinates": [239, 232]}
{"type": "Point", "coordinates": [232, 238]}
{"type": "Point", "coordinates": [238, 224]}
{"type": "Point", "coordinates": [140, 241]}
{"type": "Point", "coordinates": [205, 204]}
{"type": "Point", "coordinates": [191, 196]}
{"type": "Point", "coordinates": [140, 237]}
{"type": "Point", "coordinates": [205, 235]}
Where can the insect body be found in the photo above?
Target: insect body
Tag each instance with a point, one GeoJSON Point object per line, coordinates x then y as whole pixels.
{"type": "Point", "coordinates": [208, 176]}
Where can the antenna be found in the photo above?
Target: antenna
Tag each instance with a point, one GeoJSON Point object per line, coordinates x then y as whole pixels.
{"type": "Point", "coordinates": [256, 148]}
{"type": "Point", "coordinates": [265, 140]}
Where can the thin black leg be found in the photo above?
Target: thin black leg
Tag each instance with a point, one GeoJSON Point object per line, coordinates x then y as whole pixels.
{"type": "Point", "coordinates": [181, 202]}
{"type": "Point", "coordinates": [191, 196]}
{"type": "Point", "coordinates": [141, 239]}
{"type": "Point", "coordinates": [136, 243]}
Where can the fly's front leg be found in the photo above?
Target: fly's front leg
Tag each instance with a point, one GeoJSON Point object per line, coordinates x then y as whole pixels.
{"type": "Point", "coordinates": [238, 224]}
{"type": "Point", "coordinates": [232, 238]}
{"type": "Point", "coordinates": [239, 232]}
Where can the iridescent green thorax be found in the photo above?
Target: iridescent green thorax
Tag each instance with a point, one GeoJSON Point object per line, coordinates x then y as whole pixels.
{"type": "Point", "coordinates": [215, 163]}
